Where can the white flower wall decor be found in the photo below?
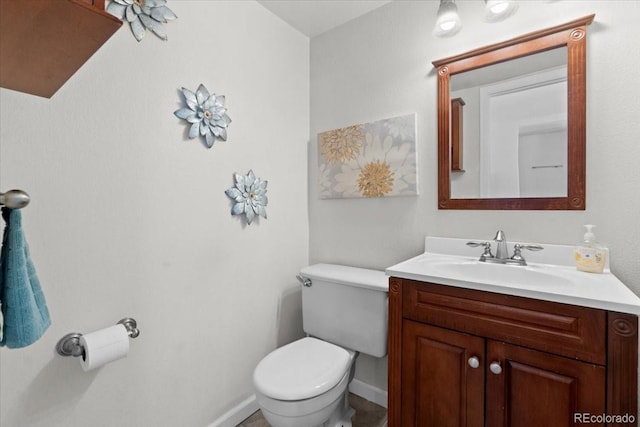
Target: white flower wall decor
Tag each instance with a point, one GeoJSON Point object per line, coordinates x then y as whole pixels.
{"type": "Point", "coordinates": [249, 196]}
{"type": "Point", "coordinates": [206, 113]}
{"type": "Point", "coordinates": [376, 159]}
{"type": "Point", "coordinates": [143, 15]}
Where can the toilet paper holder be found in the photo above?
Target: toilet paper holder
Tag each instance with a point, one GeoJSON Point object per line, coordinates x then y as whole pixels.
{"type": "Point", "coordinates": [69, 345]}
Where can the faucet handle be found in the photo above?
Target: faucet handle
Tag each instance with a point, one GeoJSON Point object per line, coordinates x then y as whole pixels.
{"type": "Point", "coordinates": [517, 255]}
{"type": "Point", "coordinates": [475, 244]}
{"type": "Point", "coordinates": [487, 248]}
{"type": "Point", "coordinates": [534, 248]}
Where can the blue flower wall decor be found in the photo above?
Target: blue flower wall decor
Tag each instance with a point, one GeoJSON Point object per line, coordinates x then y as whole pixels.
{"type": "Point", "coordinates": [249, 195]}
{"type": "Point", "coordinates": [206, 113]}
{"type": "Point", "coordinates": [143, 15]}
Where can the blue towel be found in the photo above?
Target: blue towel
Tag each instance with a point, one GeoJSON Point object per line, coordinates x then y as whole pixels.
{"type": "Point", "coordinates": [24, 310]}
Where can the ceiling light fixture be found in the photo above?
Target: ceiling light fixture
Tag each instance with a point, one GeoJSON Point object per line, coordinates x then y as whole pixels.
{"type": "Point", "coordinates": [448, 22]}
{"type": "Point", "coordinates": [497, 10]}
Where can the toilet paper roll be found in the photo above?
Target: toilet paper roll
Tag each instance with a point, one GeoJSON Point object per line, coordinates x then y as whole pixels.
{"type": "Point", "coordinates": [104, 346]}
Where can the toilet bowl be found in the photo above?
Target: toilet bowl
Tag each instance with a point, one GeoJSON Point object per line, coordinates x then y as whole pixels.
{"type": "Point", "coordinates": [305, 383]}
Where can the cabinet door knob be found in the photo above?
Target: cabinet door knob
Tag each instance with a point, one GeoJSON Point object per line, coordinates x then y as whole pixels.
{"type": "Point", "coordinates": [495, 368]}
{"type": "Point", "coordinates": [474, 362]}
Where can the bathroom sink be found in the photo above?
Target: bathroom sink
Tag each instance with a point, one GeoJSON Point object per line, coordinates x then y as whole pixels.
{"type": "Point", "coordinates": [550, 275]}
{"type": "Point", "coordinates": [497, 274]}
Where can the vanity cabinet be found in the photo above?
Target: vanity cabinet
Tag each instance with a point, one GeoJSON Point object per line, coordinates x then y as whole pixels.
{"type": "Point", "coordinates": [462, 357]}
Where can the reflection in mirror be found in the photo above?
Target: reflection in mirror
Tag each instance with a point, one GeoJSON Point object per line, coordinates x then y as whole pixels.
{"type": "Point", "coordinates": [524, 123]}
{"type": "Point", "coordinates": [514, 128]}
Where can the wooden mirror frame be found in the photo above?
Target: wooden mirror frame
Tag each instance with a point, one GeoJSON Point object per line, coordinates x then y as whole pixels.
{"type": "Point", "coordinates": [573, 36]}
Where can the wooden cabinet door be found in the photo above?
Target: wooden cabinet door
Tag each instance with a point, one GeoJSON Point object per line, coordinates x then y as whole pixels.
{"type": "Point", "coordinates": [540, 389]}
{"type": "Point", "coordinates": [439, 386]}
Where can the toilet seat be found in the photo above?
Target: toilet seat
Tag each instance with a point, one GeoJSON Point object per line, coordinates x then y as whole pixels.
{"type": "Point", "coordinates": [302, 370]}
{"type": "Point", "coordinates": [303, 413]}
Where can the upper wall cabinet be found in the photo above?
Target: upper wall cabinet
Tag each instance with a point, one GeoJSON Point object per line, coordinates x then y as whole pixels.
{"type": "Point", "coordinates": [524, 123]}
{"type": "Point", "coordinates": [44, 42]}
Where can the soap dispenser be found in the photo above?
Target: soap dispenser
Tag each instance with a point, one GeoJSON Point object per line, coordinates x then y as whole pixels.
{"type": "Point", "coordinates": [589, 255]}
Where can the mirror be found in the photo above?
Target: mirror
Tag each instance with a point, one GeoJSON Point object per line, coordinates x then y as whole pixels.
{"type": "Point", "coordinates": [512, 123]}
{"type": "Point", "coordinates": [514, 128]}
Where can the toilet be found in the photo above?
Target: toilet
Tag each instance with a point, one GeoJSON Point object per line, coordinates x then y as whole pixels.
{"type": "Point", "coordinates": [344, 313]}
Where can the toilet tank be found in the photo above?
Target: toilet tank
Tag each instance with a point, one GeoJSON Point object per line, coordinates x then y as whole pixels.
{"type": "Point", "coordinates": [347, 306]}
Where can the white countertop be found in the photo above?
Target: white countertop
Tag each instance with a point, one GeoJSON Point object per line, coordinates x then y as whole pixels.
{"type": "Point", "coordinates": [568, 285]}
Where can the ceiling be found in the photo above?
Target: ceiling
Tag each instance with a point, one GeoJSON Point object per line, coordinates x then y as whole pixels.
{"type": "Point", "coordinates": [313, 17]}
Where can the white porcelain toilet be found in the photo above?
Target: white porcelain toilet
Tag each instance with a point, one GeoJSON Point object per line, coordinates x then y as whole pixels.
{"type": "Point", "coordinates": [305, 383]}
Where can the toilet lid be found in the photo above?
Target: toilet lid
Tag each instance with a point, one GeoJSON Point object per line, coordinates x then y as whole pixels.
{"type": "Point", "coordinates": [301, 370]}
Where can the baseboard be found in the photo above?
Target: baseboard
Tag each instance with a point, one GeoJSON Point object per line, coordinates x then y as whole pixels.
{"type": "Point", "coordinates": [369, 392]}
{"type": "Point", "coordinates": [237, 414]}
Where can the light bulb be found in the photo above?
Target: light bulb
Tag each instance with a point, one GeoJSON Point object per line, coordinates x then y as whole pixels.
{"type": "Point", "coordinates": [499, 7]}
{"type": "Point", "coordinates": [448, 22]}
{"type": "Point", "coordinates": [447, 25]}
{"type": "Point", "coordinates": [497, 10]}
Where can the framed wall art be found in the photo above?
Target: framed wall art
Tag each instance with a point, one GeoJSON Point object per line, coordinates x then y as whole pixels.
{"type": "Point", "coordinates": [376, 159]}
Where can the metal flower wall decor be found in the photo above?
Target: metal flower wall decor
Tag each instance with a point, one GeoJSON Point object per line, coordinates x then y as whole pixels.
{"type": "Point", "coordinates": [249, 195]}
{"type": "Point", "coordinates": [206, 113]}
{"type": "Point", "coordinates": [143, 15]}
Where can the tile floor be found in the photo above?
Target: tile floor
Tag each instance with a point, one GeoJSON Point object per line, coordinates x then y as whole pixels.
{"type": "Point", "coordinates": [367, 415]}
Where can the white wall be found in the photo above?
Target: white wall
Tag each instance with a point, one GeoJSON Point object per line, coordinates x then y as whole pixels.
{"type": "Point", "coordinates": [380, 66]}
{"type": "Point", "coordinates": [129, 218]}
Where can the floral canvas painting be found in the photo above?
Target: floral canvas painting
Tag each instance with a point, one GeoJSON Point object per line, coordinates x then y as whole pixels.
{"type": "Point", "coordinates": [376, 159]}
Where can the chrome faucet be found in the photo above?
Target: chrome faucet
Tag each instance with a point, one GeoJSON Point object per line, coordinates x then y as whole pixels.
{"type": "Point", "coordinates": [502, 252]}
